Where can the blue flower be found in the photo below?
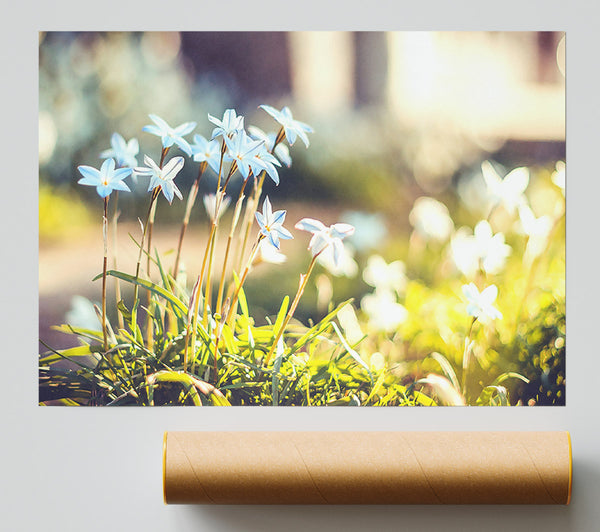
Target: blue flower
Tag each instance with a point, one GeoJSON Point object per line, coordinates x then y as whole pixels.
{"type": "Point", "coordinates": [123, 152]}
{"type": "Point", "coordinates": [242, 150]}
{"type": "Point", "coordinates": [292, 128]}
{"type": "Point", "coordinates": [281, 150]}
{"type": "Point", "coordinates": [106, 179]}
{"type": "Point", "coordinates": [162, 177]}
{"type": "Point", "coordinates": [169, 135]}
{"type": "Point", "coordinates": [264, 160]}
{"type": "Point", "coordinates": [205, 151]}
{"type": "Point", "coordinates": [271, 224]}
{"type": "Point", "coordinates": [324, 236]}
{"type": "Point", "coordinates": [230, 124]}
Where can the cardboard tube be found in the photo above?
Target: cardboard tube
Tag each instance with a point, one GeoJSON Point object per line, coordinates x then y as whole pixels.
{"type": "Point", "coordinates": [367, 467]}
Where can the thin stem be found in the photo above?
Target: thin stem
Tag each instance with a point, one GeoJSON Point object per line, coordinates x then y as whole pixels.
{"type": "Point", "coordinates": [152, 215]}
{"type": "Point", "coordinates": [288, 317]}
{"type": "Point", "coordinates": [253, 201]}
{"type": "Point", "coordinates": [116, 214]}
{"type": "Point", "coordinates": [192, 322]}
{"type": "Point", "coordinates": [236, 294]}
{"type": "Point", "coordinates": [466, 357]}
{"type": "Point", "coordinates": [218, 200]}
{"type": "Point", "coordinates": [104, 268]}
{"type": "Point", "coordinates": [211, 238]}
{"type": "Point", "coordinates": [186, 218]}
{"type": "Point", "coordinates": [136, 287]}
{"type": "Point", "coordinates": [248, 216]}
{"type": "Point", "coordinates": [150, 223]}
{"type": "Point", "coordinates": [238, 206]}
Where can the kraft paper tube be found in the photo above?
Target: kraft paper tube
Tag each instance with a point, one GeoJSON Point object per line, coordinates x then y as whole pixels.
{"type": "Point", "coordinates": [367, 467]}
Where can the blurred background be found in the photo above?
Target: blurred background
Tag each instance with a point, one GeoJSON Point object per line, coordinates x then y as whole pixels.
{"type": "Point", "coordinates": [396, 116]}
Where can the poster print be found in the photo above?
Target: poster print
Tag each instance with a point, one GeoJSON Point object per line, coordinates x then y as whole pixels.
{"type": "Point", "coordinates": [302, 218]}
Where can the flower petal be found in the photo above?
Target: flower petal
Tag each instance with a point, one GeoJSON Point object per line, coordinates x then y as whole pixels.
{"type": "Point", "coordinates": [341, 230]}
{"type": "Point", "coordinates": [89, 173]}
{"type": "Point", "coordinates": [311, 225]}
{"type": "Point", "coordinates": [172, 168]}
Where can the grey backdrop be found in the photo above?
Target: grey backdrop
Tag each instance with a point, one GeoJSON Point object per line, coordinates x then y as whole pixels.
{"type": "Point", "coordinates": [87, 469]}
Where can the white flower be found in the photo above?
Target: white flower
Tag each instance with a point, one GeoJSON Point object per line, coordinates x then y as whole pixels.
{"type": "Point", "coordinates": [123, 152]}
{"type": "Point", "coordinates": [537, 229]}
{"type": "Point", "coordinates": [267, 252]}
{"type": "Point", "coordinates": [162, 177]}
{"type": "Point", "coordinates": [230, 124]}
{"type": "Point", "coordinates": [171, 135]}
{"type": "Point", "coordinates": [385, 276]}
{"type": "Point", "coordinates": [482, 249]}
{"type": "Point", "coordinates": [346, 265]}
{"type": "Point", "coordinates": [384, 312]}
{"type": "Point", "coordinates": [431, 219]}
{"type": "Point", "coordinates": [481, 305]}
{"type": "Point", "coordinates": [324, 236]}
{"type": "Point", "coordinates": [292, 128]}
{"type": "Point", "coordinates": [210, 204]}
{"type": "Point", "coordinates": [508, 191]}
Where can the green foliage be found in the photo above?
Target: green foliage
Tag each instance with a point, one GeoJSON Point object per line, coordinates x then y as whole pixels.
{"type": "Point", "coordinates": [318, 367]}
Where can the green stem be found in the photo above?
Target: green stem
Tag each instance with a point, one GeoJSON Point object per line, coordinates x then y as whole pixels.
{"type": "Point", "coordinates": [236, 294]}
{"type": "Point", "coordinates": [288, 317]}
{"type": "Point", "coordinates": [104, 268]}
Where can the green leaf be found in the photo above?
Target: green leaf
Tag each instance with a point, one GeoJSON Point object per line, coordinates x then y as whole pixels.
{"type": "Point", "coordinates": [378, 384]}
{"type": "Point", "coordinates": [351, 351]}
{"type": "Point", "coordinates": [493, 396]}
{"type": "Point", "coordinates": [275, 380]}
{"type": "Point", "coordinates": [191, 385]}
{"type": "Point", "coordinates": [510, 375]}
{"type": "Point", "coordinates": [318, 328]}
{"type": "Point", "coordinates": [350, 400]}
{"type": "Point", "coordinates": [241, 296]}
{"type": "Point", "coordinates": [84, 352]}
{"type": "Point", "coordinates": [281, 315]}
{"type": "Point", "coordinates": [178, 306]}
{"type": "Point", "coordinates": [446, 368]}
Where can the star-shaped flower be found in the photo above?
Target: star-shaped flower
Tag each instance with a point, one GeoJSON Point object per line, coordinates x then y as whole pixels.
{"type": "Point", "coordinates": [162, 177]}
{"type": "Point", "coordinates": [383, 276]}
{"type": "Point", "coordinates": [227, 127]}
{"type": "Point", "coordinates": [481, 305]}
{"type": "Point", "coordinates": [537, 229]}
{"type": "Point", "coordinates": [292, 128]}
{"type": "Point", "coordinates": [324, 236]}
{"type": "Point", "coordinates": [263, 160]}
{"type": "Point", "coordinates": [106, 179]}
{"type": "Point", "coordinates": [123, 152]}
{"type": "Point", "coordinates": [242, 150]}
{"type": "Point", "coordinates": [205, 151]}
{"type": "Point", "coordinates": [169, 135]}
{"type": "Point", "coordinates": [271, 224]}
{"type": "Point", "coordinates": [482, 249]}
{"type": "Point", "coordinates": [508, 191]}
{"type": "Point", "coordinates": [281, 151]}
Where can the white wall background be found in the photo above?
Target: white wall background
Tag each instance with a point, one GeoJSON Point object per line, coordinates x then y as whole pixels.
{"type": "Point", "coordinates": [66, 469]}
